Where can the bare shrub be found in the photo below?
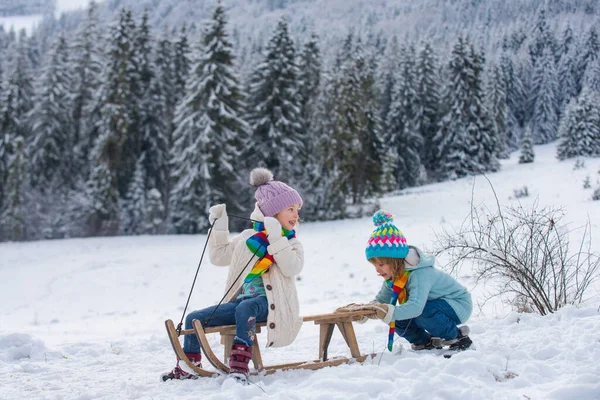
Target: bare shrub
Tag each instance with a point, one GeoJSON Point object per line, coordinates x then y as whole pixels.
{"type": "Point", "coordinates": [521, 192]}
{"type": "Point", "coordinates": [524, 252]}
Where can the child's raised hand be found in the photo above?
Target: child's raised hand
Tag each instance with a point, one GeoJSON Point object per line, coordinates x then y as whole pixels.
{"type": "Point", "coordinates": [219, 213]}
{"type": "Point", "coordinates": [273, 228]}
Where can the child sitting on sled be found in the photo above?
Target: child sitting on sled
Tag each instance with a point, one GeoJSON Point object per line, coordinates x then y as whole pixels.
{"type": "Point", "coordinates": [420, 303]}
{"type": "Point", "coordinates": [266, 289]}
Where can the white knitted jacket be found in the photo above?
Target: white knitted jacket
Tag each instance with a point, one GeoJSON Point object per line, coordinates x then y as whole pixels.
{"type": "Point", "coordinates": [283, 321]}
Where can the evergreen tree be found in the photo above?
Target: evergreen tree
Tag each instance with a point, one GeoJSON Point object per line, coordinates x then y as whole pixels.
{"type": "Point", "coordinates": [387, 78]}
{"type": "Point", "coordinates": [402, 137]}
{"type": "Point", "coordinates": [589, 52]}
{"type": "Point", "coordinates": [275, 114]}
{"type": "Point", "coordinates": [17, 98]}
{"type": "Point", "coordinates": [357, 128]}
{"type": "Point", "coordinates": [16, 102]}
{"type": "Point", "coordinates": [496, 103]}
{"type": "Point", "coordinates": [545, 89]}
{"type": "Point", "coordinates": [543, 39]}
{"type": "Point", "coordinates": [14, 210]}
{"type": "Point", "coordinates": [115, 107]}
{"type": "Point", "coordinates": [155, 134]}
{"type": "Point", "coordinates": [208, 136]}
{"type": "Point", "coordinates": [310, 79]}
{"type": "Point", "coordinates": [428, 103]}
{"type": "Point", "coordinates": [134, 209]}
{"type": "Point", "coordinates": [465, 141]}
{"type": "Point", "coordinates": [591, 78]}
{"type": "Point", "coordinates": [567, 84]}
{"type": "Point", "coordinates": [181, 63]}
{"type": "Point", "coordinates": [51, 146]}
{"type": "Point", "coordinates": [579, 130]}
{"type": "Point", "coordinates": [527, 154]}
{"type": "Point", "coordinates": [87, 67]}
{"type": "Point", "coordinates": [101, 199]}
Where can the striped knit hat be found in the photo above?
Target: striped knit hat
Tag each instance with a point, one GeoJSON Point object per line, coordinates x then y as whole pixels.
{"type": "Point", "coordinates": [386, 240]}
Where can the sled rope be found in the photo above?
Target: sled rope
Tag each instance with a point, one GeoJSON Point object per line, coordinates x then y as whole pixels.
{"type": "Point", "coordinates": [180, 324]}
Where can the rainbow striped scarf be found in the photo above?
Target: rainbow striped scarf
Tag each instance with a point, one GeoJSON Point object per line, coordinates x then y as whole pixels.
{"type": "Point", "coordinates": [257, 244]}
{"type": "Point", "coordinates": [398, 297]}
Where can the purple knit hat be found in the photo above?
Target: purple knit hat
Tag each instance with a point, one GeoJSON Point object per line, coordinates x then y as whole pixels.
{"type": "Point", "coordinates": [272, 196]}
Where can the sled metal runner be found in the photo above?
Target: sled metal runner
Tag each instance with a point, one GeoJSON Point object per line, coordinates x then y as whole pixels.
{"type": "Point", "coordinates": [326, 322]}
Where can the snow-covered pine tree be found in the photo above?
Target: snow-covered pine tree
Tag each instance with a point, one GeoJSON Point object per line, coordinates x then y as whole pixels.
{"type": "Point", "coordinates": [275, 110]}
{"type": "Point", "coordinates": [587, 53]}
{"type": "Point", "coordinates": [465, 141]}
{"type": "Point", "coordinates": [51, 145]}
{"type": "Point", "coordinates": [545, 98]}
{"type": "Point", "coordinates": [209, 132]}
{"type": "Point", "coordinates": [16, 102]}
{"type": "Point", "coordinates": [357, 131]}
{"type": "Point", "coordinates": [87, 67]}
{"type": "Point", "coordinates": [516, 97]}
{"type": "Point", "coordinates": [591, 78]}
{"type": "Point", "coordinates": [542, 39]}
{"type": "Point", "coordinates": [428, 99]}
{"type": "Point", "coordinates": [310, 79]}
{"type": "Point", "coordinates": [133, 211]}
{"type": "Point", "coordinates": [14, 210]}
{"type": "Point", "coordinates": [114, 104]}
{"type": "Point", "coordinates": [100, 208]}
{"type": "Point", "coordinates": [567, 84]}
{"type": "Point", "coordinates": [402, 136]}
{"type": "Point", "coordinates": [481, 124]}
{"type": "Point", "coordinates": [527, 154]}
{"type": "Point", "coordinates": [579, 130]}
{"type": "Point", "coordinates": [387, 78]}
{"type": "Point", "coordinates": [181, 62]}
{"type": "Point", "coordinates": [324, 198]}
{"type": "Point", "coordinates": [18, 93]}
{"type": "Point", "coordinates": [496, 104]}
{"type": "Point", "coordinates": [155, 132]}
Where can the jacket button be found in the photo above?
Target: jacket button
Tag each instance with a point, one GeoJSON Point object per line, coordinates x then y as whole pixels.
{"type": "Point", "coordinates": [269, 287]}
{"type": "Point", "coordinates": [272, 325]}
{"type": "Point", "coordinates": [272, 306]}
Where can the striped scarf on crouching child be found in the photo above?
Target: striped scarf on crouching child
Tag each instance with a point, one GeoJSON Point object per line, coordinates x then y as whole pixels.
{"type": "Point", "coordinates": [398, 297]}
{"type": "Point", "coordinates": [257, 244]}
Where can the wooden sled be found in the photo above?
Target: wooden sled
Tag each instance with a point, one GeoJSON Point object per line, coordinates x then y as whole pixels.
{"type": "Point", "coordinates": [326, 322]}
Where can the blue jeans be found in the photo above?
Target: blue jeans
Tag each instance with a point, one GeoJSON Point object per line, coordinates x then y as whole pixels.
{"type": "Point", "coordinates": [242, 313]}
{"type": "Point", "coordinates": [438, 319]}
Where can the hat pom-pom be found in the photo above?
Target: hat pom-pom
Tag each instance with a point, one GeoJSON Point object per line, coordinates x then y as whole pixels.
{"type": "Point", "coordinates": [382, 217]}
{"type": "Point", "coordinates": [260, 176]}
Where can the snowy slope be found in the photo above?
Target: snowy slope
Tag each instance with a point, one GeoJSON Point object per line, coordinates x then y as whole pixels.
{"type": "Point", "coordinates": [83, 318]}
{"type": "Point", "coordinates": [30, 21]}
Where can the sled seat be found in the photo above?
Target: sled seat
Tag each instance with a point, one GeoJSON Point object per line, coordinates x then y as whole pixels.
{"type": "Point", "coordinates": [326, 322]}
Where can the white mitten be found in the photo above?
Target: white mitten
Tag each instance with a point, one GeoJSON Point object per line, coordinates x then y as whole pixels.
{"type": "Point", "coordinates": [219, 213]}
{"type": "Point", "coordinates": [385, 312]}
{"type": "Point", "coordinates": [273, 228]}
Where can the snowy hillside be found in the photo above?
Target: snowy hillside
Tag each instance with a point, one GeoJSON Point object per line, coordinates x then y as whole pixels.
{"type": "Point", "coordinates": [83, 318]}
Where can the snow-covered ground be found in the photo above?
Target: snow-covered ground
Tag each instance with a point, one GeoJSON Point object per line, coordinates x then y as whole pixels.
{"type": "Point", "coordinates": [30, 21]}
{"type": "Point", "coordinates": [84, 318]}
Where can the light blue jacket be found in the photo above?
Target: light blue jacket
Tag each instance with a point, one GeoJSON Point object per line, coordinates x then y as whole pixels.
{"type": "Point", "coordinates": [425, 283]}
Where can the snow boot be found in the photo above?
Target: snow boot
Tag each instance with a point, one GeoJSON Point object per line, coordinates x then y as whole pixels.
{"type": "Point", "coordinates": [463, 342]}
{"type": "Point", "coordinates": [427, 346]}
{"type": "Point", "coordinates": [238, 362]}
{"type": "Point", "coordinates": [180, 373]}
